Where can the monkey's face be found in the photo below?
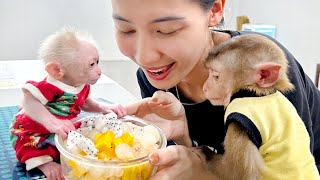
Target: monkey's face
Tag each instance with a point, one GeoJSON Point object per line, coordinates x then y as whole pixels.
{"type": "Point", "coordinates": [219, 85]}
{"type": "Point", "coordinates": [86, 69]}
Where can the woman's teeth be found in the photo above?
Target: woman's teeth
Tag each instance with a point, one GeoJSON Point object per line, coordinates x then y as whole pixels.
{"type": "Point", "coordinates": [158, 71]}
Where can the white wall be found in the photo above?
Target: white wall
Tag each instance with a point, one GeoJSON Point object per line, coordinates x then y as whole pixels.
{"type": "Point", "coordinates": [297, 22]}
{"type": "Point", "coordinates": [24, 24]}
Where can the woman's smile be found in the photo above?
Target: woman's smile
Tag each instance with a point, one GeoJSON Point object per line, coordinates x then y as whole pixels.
{"type": "Point", "coordinates": [159, 73]}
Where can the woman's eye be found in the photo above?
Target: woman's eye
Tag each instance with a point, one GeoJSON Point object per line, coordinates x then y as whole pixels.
{"type": "Point", "coordinates": [127, 31]}
{"type": "Point", "coordinates": [167, 33]}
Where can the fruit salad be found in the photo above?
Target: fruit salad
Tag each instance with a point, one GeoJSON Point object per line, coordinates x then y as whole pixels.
{"type": "Point", "coordinates": [104, 147]}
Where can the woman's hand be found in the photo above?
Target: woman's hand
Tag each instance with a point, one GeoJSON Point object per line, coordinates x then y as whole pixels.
{"type": "Point", "coordinates": [178, 162]}
{"type": "Point", "coordinates": [166, 111]}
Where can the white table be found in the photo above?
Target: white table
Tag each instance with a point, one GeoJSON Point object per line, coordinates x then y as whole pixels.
{"type": "Point", "coordinates": [13, 74]}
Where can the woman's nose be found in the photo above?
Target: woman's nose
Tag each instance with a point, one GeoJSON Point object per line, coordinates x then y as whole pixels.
{"type": "Point", "coordinates": [146, 50]}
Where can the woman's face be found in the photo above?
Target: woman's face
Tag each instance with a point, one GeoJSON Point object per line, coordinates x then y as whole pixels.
{"type": "Point", "coordinates": [166, 38]}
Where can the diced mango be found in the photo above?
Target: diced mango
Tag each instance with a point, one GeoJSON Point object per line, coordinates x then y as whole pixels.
{"type": "Point", "coordinates": [127, 138]}
{"type": "Point", "coordinates": [77, 170]}
{"type": "Point", "coordinates": [117, 141]}
{"type": "Point", "coordinates": [104, 141]}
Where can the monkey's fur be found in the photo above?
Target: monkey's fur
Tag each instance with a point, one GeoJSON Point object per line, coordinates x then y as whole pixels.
{"type": "Point", "coordinates": [241, 56]}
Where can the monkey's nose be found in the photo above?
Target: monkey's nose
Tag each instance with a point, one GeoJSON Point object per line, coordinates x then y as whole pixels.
{"type": "Point", "coordinates": [204, 89]}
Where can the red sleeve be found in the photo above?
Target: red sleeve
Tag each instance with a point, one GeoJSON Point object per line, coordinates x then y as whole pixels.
{"type": "Point", "coordinates": [43, 91]}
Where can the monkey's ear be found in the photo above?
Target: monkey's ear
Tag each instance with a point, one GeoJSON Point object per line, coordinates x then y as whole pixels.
{"type": "Point", "coordinates": [267, 74]}
{"type": "Point", "coordinates": [54, 70]}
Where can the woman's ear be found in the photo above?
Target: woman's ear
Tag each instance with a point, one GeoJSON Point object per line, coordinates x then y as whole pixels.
{"type": "Point", "coordinates": [216, 13]}
{"type": "Point", "coordinates": [54, 70]}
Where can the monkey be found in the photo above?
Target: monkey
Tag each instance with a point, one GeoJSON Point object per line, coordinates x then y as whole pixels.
{"type": "Point", "coordinates": [71, 60]}
{"type": "Point", "coordinates": [265, 137]}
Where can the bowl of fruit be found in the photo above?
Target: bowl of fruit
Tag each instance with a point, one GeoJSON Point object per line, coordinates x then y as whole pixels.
{"type": "Point", "coordinates": [104, 147]}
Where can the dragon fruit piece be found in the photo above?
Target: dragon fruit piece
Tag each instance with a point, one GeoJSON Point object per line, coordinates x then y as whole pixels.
{"type": "Point", "coordinates": [87, 122]}
{"type": "Point", "coordinates": [85, 131]}
{"type": "Point", "coordinates": [85, 144]}
{"type": "Point", "coordinates": [109, 122]}
{"type": "Point", "coordinates": [109, 116]}
{"type": "Point", "coordinates": [72, 139]}
{"type": "Point", "coordinates": [113, 125]}
{"type": "Point", "coordinates": [132, 128]}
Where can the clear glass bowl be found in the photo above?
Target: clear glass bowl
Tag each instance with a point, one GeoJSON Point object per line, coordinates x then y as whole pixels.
{"type": "Point", "coordinates": [79, 167]}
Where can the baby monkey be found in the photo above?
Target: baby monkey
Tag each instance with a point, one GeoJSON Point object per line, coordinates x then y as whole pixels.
{"type": "Point", "coordinates": [265, 138]}
{"type": "Point", "coordinates": [49, 106]}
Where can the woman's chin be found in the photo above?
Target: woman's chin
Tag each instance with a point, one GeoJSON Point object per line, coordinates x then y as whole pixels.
{"type": "Point", "coordinates": [216, 102]}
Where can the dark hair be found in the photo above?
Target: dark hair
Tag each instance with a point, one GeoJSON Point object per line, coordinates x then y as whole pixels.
{"type": "Point", "coordinates": [207, 5]}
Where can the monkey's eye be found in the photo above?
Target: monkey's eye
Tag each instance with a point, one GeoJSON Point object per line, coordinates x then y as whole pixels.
{"type": "Point", "coordinates": [92, 64]}
{"type": "Point", "coordinates": [215, 77]}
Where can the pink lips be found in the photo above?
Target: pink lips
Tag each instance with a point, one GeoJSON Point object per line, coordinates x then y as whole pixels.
{"type": "Point", "coordinates": [159, 73]}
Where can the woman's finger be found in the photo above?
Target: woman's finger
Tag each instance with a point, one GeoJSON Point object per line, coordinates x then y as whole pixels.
{"type": "Point", "coordinates": [164, 98]}
{"type": "Point", "coordinates": [165, 156]}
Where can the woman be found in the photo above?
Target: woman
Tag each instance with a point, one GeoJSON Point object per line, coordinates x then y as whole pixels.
{"type": "Point", "coordinates": [168, 39]}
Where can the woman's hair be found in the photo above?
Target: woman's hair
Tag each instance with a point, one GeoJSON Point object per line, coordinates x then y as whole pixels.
{"type": "Point", "coordinates": [207, 4]}
{"type": "Point", "coordinates": [63, 46]}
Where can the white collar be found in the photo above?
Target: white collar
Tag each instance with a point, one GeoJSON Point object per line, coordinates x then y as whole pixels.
{"type": "Point", "coordinates": [64, 87]}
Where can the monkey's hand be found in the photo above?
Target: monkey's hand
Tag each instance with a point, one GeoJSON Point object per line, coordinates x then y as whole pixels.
{"type": "Point", "coordinates": [116, 108]}
{"type": "Point", "coordinates": [178, 162]}
{"type": "Point", "coordinates": [60, 127]}
{"type": "Point", "coordinates": [167, 112]}
{"type": "Point", "coordinates": [92, 105]}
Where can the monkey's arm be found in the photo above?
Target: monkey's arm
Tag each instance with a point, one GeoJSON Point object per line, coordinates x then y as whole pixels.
{"type": "Point", "coordinates": [241, 159]}
{"type": "Point", "coordinates": [92, 105]}
{"type": "Point", "coordinates": [33, 108]}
